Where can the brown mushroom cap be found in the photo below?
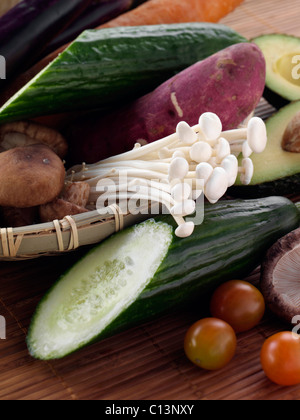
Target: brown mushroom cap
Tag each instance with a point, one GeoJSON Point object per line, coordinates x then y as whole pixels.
{"type": "Point", "coordinates": [30, 176]}
{"type": "Point", "coordinates": [23, 133]}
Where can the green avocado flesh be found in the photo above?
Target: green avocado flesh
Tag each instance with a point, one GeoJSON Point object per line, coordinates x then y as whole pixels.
{"type": "Point", "coordinates": [275, 163]}
{"type": "Point", "coordinates": [282, 54]}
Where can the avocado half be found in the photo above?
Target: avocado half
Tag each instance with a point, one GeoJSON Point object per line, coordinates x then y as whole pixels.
{"type": "Point", "coordinates": [276, 171]}
{"type": "Point", "coordinates": [282, 54]}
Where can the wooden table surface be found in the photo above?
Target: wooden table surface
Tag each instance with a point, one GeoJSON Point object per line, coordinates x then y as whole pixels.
{"type": "Point", "coordinates": [147, 362]}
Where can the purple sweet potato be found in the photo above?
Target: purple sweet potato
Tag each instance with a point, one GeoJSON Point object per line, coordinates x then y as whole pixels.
{"type": "Point", "coordinates": [229, 83]}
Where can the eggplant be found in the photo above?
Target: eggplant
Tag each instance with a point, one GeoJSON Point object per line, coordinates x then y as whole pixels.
{"type": "Point", "coordinates": [26, 29]}
{"type": "Point", "coordinates": [98, 13]}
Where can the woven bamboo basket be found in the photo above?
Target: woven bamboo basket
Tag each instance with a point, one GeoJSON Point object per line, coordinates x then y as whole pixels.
{"type": "Point", "coordinates": [62, 236]}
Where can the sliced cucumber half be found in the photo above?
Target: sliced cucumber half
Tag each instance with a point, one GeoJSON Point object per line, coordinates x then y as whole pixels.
{"type": "Point", "coordinates": [95, 291]}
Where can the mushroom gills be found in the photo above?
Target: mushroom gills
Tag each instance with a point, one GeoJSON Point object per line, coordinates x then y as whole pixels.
{"type": "Point", "coordinates": [286, 277]}
{"type": "Point", "coordinates": [22, 133]}
{"type": "Point", "coordinates": [280, 279]}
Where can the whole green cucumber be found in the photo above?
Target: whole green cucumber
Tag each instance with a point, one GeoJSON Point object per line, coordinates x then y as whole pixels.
{"type": "Point", "coordinates": [107, 67]}
{"type": "Point", "coordinates": [146, 270]}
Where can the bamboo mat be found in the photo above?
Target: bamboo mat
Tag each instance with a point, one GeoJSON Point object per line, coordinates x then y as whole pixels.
{"type": "Point", "coordinates": [147, 362]}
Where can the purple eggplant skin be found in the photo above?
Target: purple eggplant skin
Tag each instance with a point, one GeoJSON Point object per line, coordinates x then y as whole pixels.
{"type": "Point", "coordinates": [98, 13]}
{"type": "Point", "coordinates": [26, 29]}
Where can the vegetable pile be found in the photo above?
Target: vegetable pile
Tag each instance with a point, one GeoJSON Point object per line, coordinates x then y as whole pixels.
{"type": "Point", "coordinates": [122, 106]}
{"type": "Point", "coordinates": [153, 12]}
{"type": "Point", "coordinates": [144, 271]}
{"type": "Point", "coordinates": [105, 68]}
{"type": "Point", "coordinates": [236, 90]}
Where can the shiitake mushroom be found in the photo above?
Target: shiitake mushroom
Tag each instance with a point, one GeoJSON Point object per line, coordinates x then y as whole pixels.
{"type": "Point", "coordinates": [25, 133]}
{"type": "Point", "coordinates": [30, 176]}
{"type": "Point", "coordinates": [280, 278]}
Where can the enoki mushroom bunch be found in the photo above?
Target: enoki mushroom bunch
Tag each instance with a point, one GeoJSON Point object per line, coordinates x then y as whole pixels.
{"type": "Point", "coordinates": [171, 170]}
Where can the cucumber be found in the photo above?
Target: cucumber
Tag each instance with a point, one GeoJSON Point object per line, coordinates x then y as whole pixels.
{"type": "Point", "coordinates": [106, 67]}
{"type": "Point", "coordinates": [146, 270]}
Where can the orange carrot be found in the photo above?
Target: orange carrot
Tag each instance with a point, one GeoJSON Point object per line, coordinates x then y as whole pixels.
{"type": "Point", "coordinates": [156, 12]}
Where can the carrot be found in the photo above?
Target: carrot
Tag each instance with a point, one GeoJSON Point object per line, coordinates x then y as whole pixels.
{"type": "Point", "coordinates": [175, 11]}
{"type": "Point", "coordinates": [150, 13]}
{"type": "Point", "coordinates": [6, 5]}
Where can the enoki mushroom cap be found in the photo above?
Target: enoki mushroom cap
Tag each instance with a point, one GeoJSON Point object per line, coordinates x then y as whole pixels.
{"type": "Point", "coordinates": [179, 168]}
{"type": "Point", "coordinates": [217, 185]}
{"type": "Point", "coordinates": [246, 150]}
{"type": "Point", "coordinates": [181, 192]}
{"type": "Point", "coordinates": [257, 135]}
{"type": "Point", "coordinates": [177, 154]}
{"type": "Point", "coordinates": [210, 125]}
{"type": "Point", "coordinates": [203, 171]}
{"type": "Point", "coordinates": [223, 149]}
{"type": "Point", "coordinates": [186, 134]}
{"type": "Point", "coordinates": [247, 171]}
{"type": "Point", "coordinates": [184, 208]}
{"type": "Point", "coordinates": [185, 230]}
{"type": "Point", "coordinates": [201, 152]}
{"type": "Point", "coordinates": [231, 166]}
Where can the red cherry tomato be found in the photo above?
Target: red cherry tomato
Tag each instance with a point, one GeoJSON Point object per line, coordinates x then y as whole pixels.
{"type": "Point", "coordinates": [210, 344]}
{"type": "Point", "coordinates": [280, 358]}
{"type": "Point", "coordinates": [239, 304]}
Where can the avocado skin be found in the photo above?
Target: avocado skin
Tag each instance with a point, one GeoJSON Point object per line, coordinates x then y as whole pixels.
{"type": "Point", "coordinates": [289, 186]}
{"type": "Point", "coordinates": [274, 99]}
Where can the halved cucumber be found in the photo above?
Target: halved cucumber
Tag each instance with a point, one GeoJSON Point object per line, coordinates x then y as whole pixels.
{"type": "Point", "coordinates": [146, 270]}
{"type": "Point", "coordinates": [94, 292]}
